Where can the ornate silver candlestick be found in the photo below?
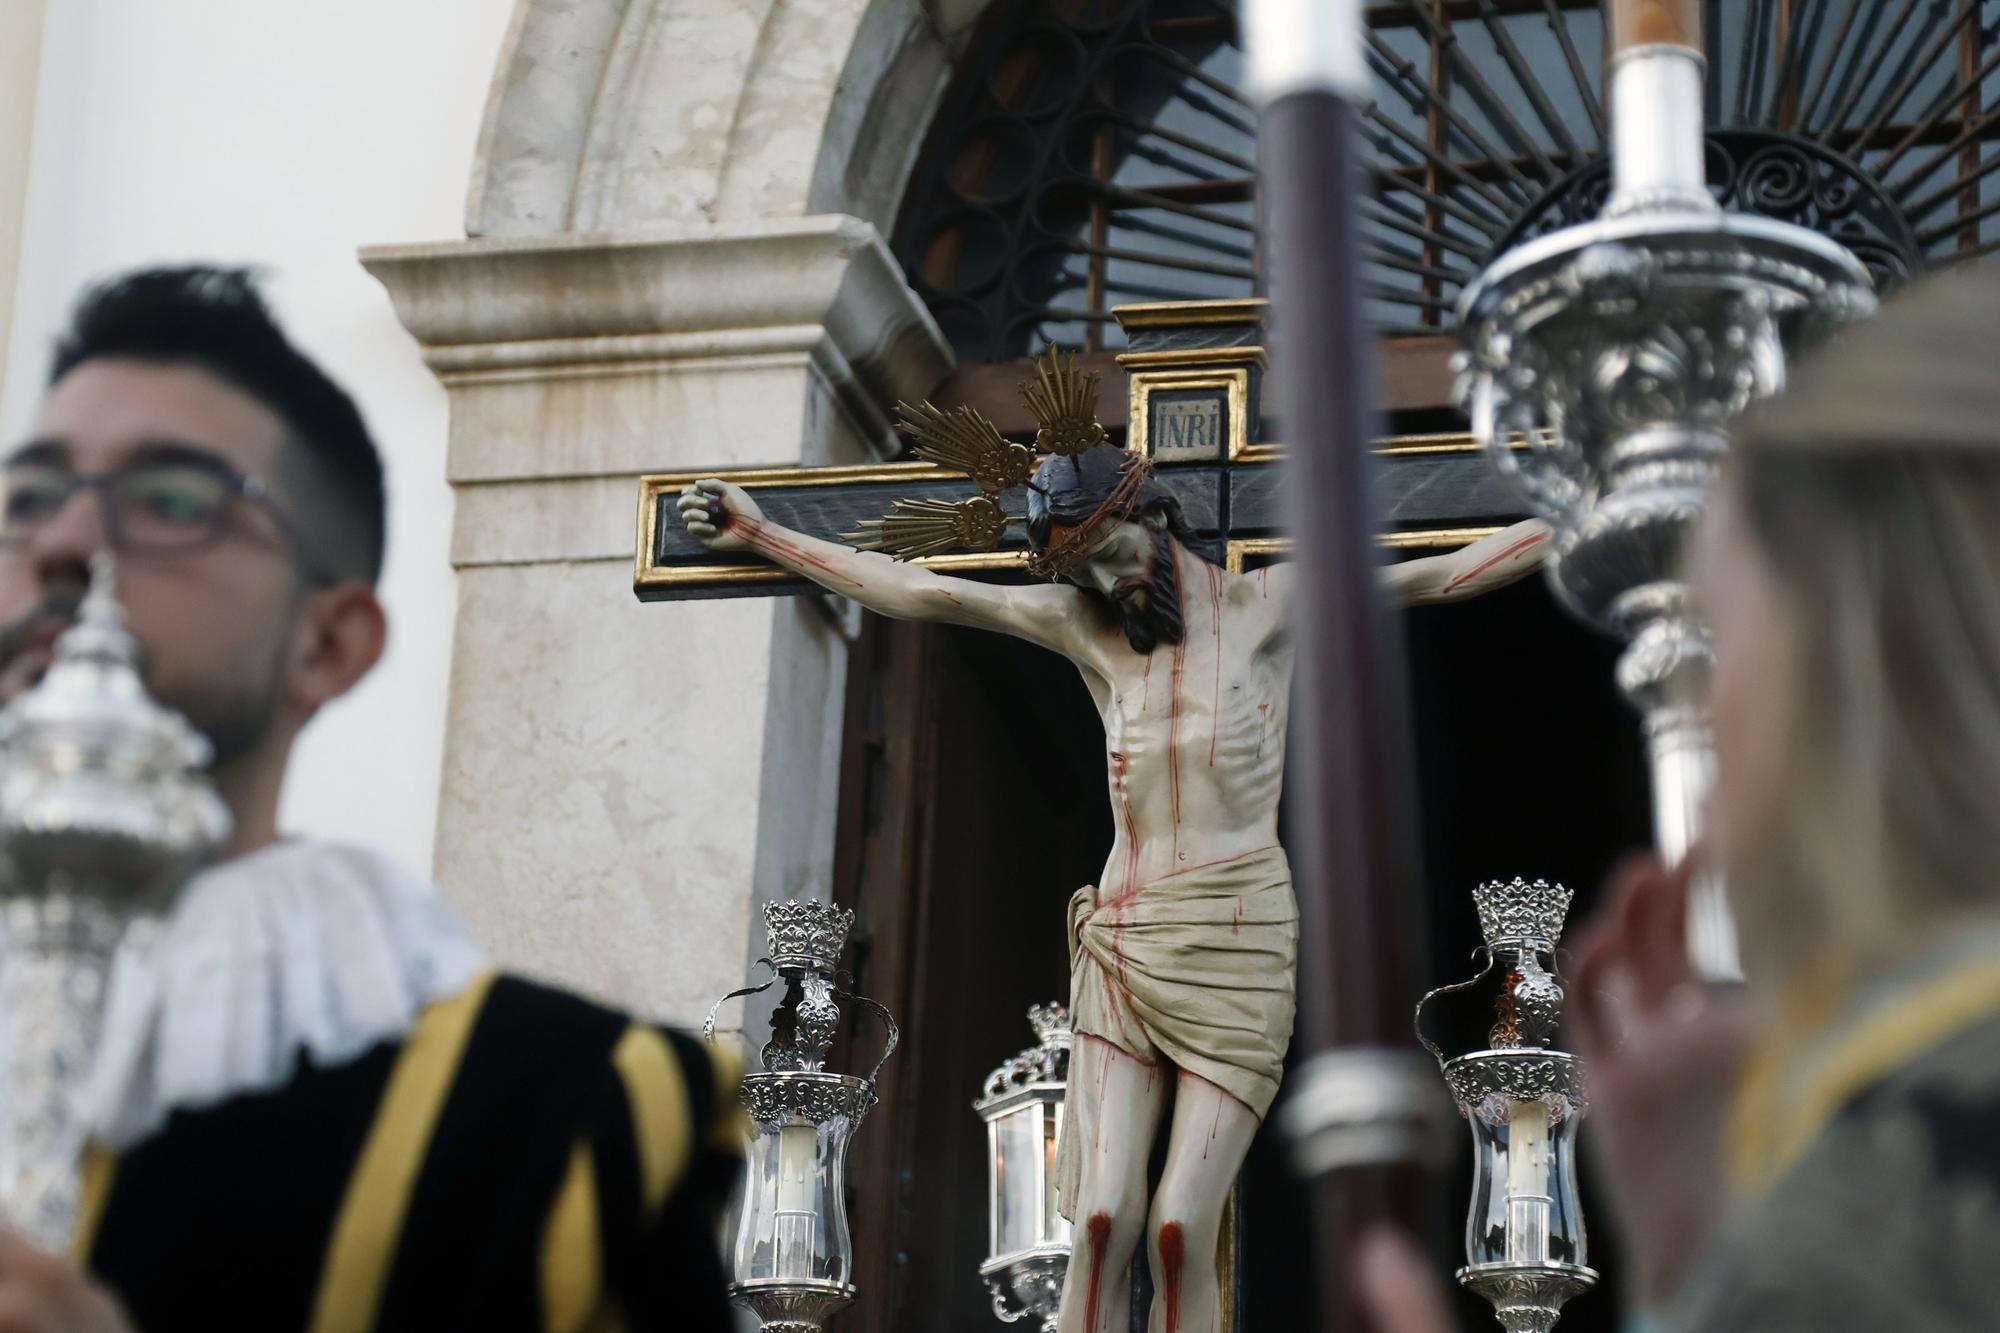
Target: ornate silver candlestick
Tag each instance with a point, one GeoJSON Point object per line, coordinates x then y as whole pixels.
{"type": "Point", "coordinates": [1602, 366]}
{"type": "Point", "coordinates": [1029, 1241]}
{"type": "Point", "coordinates": [104, 812]}
{"type": "Point", "coordinates": [1524, 1233]}
{"type": "Point", "coordinates": [793, 1255]}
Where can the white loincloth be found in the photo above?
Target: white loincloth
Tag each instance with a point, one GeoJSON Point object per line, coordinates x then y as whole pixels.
{"type": "Point", "coordinates": [1197, 969]}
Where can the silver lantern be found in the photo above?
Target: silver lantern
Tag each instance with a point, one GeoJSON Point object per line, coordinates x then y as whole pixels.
{"type": "Point", "coordinates": [793, 1258]}
{"type": "Point", "coordinates": [1029, 1241]}
{"type": "Point", "coordinates": [1525, 1247]}
{"type": "Point", "coordinates": [1602, 366]}
{"type": "Point", "coordinates": [104, 813]}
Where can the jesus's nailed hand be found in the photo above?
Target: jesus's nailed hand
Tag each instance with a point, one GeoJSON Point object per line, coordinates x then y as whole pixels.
{"type": "Point", "coordinates": [718, 514]}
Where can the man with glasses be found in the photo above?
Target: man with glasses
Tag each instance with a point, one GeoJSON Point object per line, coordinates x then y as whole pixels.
{"type": "Point", "coordinates": [314, 1106]}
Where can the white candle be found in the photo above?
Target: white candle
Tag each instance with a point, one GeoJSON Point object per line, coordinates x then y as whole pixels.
{"type": "Point", "coordinates": [1528, 1199]}
{"type": "Point", "coordinates": [798, 1163]}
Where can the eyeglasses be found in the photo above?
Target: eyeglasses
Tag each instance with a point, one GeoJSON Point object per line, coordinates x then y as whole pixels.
{"type": "Point", "coordinates": [151, 506]}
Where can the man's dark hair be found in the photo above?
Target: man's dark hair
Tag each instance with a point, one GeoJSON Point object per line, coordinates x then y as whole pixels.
{"type": "Point", "coordinates": [216, 320]}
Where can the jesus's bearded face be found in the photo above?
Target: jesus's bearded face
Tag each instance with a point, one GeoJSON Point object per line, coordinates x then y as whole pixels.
{"type": "Point", "coordinates": [1133, 569]}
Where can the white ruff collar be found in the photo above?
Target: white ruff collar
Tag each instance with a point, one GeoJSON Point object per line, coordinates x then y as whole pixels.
{"type": "Point", "coordinates": [299, 949]}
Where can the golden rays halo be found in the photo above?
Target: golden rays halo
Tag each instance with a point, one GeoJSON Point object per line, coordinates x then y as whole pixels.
{"type": "Point", "coordinates": [1063, 399]}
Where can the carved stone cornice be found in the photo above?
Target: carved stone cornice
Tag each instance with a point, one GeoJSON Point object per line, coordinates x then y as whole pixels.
{"type": "Point", "coordinates": [820, 294]}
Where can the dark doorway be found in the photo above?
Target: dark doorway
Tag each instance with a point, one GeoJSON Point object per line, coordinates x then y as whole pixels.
{"type": "Point", "coordinates": [974, 804]}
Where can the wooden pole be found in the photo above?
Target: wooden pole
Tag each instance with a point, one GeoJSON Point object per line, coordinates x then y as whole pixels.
{"type": "Point", "coordinates": [1350, 769]}
{"type": "Point", "coordinates": [1646, 22]}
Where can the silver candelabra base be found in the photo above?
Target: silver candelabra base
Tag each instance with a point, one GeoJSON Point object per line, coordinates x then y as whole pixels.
{"type": "Point", "coordinates": [1527, 1298]}
{"type": "Point", "coordinates": [1028, 1286]}
{"type": "Point", "coordinates": [793, 1306]}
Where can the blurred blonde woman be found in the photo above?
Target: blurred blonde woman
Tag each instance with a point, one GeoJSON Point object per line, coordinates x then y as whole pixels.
{"type": "Point", "coordinates": [1822, 1150]}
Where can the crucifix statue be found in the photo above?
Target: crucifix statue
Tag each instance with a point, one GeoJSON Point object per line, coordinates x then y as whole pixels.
{"type": "Point", "coordinates": [1182, 956]}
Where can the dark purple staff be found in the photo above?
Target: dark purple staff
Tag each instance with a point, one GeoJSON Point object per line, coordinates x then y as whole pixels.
{"type": "Point", "coordinates": [1366, 1104]}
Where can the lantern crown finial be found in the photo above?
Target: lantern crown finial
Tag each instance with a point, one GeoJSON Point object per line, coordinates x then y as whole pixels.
{"type": "Point", "coordinates": [1044, 1065]}
{"type": "Point", "coordinates": [806, 934]}
{"type": "Point", "coordinates": [1516, 910]}
{"type": "Point", "coordinates": [1051, 1024]}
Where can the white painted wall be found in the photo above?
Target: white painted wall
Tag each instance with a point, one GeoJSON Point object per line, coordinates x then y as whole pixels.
{"type": "Point", "coordinates": [20, 66]}
{"type": "Point", "coordinates": [284, 133]}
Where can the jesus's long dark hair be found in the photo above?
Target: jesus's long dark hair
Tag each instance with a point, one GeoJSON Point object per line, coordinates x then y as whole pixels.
{"type": "Point", "coordinates": [1068, 491]}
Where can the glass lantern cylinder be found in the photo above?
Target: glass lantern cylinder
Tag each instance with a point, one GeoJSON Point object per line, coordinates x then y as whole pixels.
{"type": "Point", "coordinates": [1524, 1108]}
{"type": "Point", "coordinates": [792, 1245]}
{"type": "Point", "coordinates": [1028, 1240]}
{"type": "Point", "coordinates": [1525, 1245]}
{"type": "Point", "coordinates": [793, 1259]}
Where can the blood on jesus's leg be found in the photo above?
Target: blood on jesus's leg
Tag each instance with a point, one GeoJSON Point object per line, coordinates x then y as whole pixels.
{"type": "Point", "coordinates": [1115, 1101]}
{"type": "Point", "coordinates": [1206, 1145]}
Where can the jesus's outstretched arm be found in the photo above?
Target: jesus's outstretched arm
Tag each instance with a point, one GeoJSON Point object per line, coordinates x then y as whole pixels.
{"type": "Point", "coordinates": [1491, 562]}
{"type": "Point", "coordinates": [723, 517]}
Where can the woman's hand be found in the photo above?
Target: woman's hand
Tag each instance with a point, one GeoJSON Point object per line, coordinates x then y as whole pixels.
{"type": "Point", "coordinates": [1664, 1052]}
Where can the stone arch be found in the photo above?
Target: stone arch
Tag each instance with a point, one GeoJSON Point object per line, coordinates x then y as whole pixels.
{"type": "Point", "coordinates": [610, 114]}
{"type": "Point", "coordinates": [673, 260]}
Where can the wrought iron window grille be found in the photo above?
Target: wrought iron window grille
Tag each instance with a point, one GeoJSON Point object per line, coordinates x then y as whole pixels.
{"type": "Point", "coordinates": [1097, 152]}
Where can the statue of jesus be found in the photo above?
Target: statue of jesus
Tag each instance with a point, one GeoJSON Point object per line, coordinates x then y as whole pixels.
{"type": "Point", "coordinates": [1182, 956]}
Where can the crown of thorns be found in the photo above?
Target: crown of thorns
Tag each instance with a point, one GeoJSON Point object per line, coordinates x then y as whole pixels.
{"type": "Point", "coordinates": [1063, 400]}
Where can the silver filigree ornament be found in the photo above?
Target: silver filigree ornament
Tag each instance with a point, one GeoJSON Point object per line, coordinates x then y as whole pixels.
{"type": "Point", "coordinates": [1524, 1101]}
{"type": "Point", "coordinates": [1515, 910]}
{"type": "Point", "coordinates": [792, 1256]}
{"type": "Point", "coordinates": [1044, 1063]}
{"type": "Point", "coordinates": [105, 810]}
{"type": "Point", "coordinates": [806, 934]}
{"type": "Point", "coordinates": [1603, 366]}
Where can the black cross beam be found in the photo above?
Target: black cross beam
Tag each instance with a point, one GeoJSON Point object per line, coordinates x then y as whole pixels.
{"type": "Point", "coordinates": [1195, 377]}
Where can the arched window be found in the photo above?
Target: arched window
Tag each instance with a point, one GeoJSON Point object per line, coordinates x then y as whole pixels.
{"type": "Point", "coordinates": [1098, 152]}
{"type": "Point", "coordinates": [1092, 153]}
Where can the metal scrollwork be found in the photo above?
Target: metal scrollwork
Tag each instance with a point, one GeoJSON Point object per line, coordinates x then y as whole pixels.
{"type": "Point", "coordinates": [1041, 1064]}
{"type": "Point", "coordinates": [1620, 352]}
{"type": "Point", "coordinates": [1528, 1300]}
{"type": "Point", "coordinates": [1538, 999]}
{"type": "Point", "coordinates": [1437, 1052]}
{"type": "Point", "coordinates": [1518, 910]}
{"type": "Point", "coordinates": [818, 1016]}
{"type": "Point", "coordinates": [811, 1098]}
{"type": "Point", "coordinates": [1523, 1075]}
{"type": "Point", "coordinates": [708, 1024]}
{"type": "Point", "coordinates": [1522, 921]}
{"type": "Point", "coordinates": [1003, 1311]}
{"type": "Point", "coordinates": [894, 1033]}
{"type": "Point", "coordinates": [807, 934]}
{"type": "Point", "coordinates": [1028, 1288]}
{"type": "Point", "coordinates": [794, 1308]}
{"type": "Point", "coordinates": [1763, 173]}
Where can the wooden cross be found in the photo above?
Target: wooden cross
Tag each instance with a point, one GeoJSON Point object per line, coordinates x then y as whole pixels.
{"type": "Point", "coordinates": [1195, 375]}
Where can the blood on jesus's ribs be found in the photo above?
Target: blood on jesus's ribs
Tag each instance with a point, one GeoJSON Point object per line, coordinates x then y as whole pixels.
{"type": "Point", "coordinates": [1195, 731]}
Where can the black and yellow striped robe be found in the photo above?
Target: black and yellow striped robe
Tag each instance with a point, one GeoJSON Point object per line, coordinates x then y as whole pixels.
{"type": "Point", "coordinates": [522, 1159]}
